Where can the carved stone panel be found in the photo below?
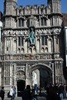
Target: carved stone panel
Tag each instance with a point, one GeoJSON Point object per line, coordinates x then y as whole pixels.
{"type": "Point", "coordinates": [20, 75]}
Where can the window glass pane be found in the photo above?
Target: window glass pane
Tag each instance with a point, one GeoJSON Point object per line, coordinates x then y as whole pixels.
{"type": "Point", "coordinates": [21, 22]}
{"type": "Point", "coordinates": [43, 21]}
{"type": "Point", "coordinates": [43, 39]}
{"type": "Point", "coordinates": [19, 41]}
{"type": "Point", "coordinates": [22, 41]}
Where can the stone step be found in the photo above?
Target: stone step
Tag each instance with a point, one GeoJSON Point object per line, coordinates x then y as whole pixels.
{"type": "Point", "coordinates": [16, 98]}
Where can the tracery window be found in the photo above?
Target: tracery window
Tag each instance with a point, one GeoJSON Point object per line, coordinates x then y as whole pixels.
{"type": "Point", "coordinates": [20, 41]}
{"type": "Point", "coordinates": [44, 40]}
{"type": "Point", "coordinates": [7, 74]}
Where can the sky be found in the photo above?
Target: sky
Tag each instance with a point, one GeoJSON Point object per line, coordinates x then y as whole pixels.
{"type": "Point", "coordinates": [38, 2]}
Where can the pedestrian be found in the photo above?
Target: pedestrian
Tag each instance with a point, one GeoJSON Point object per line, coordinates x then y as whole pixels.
{"type": "Point", "coordinates": [52, 92]}
{"type": "Point", "coordinates": [61, 90]}
{"type": "Point", "coordinates": [2, 93]}
{"type": "Point", "coordinates": [11, 92]}
{"type": "Point", "coordinates": [36, 89]}
{"type": "Point", "coordinates": [26, 94]}
{"type": "Point", "coordinates": [14, 92]}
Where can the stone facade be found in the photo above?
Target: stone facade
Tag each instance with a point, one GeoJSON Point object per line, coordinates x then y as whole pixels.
{"type": "Point", "coordinates": [31, 42]}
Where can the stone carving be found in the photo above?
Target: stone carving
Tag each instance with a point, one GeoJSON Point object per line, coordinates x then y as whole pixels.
{"type": "Point", "coordinates": [57, 31]}
{"type": "Point", "coordinates": [20, 75]}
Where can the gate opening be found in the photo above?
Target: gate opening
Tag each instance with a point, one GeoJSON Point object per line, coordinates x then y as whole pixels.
{"type": "Point", "coordinates": [20, 87]}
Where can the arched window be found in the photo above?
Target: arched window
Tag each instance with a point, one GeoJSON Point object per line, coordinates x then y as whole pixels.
{"type": "Point", "coordinates": [21, 22]}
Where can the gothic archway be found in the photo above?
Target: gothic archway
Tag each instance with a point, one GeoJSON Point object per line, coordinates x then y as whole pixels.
{"type": "Point", "coordinates": [43, 75]}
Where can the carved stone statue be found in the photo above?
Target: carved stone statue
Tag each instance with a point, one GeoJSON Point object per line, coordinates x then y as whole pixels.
{"type": "Point", "coordinates": [34, 78]}
{"type": "Point", "coordinates": [35, 82]}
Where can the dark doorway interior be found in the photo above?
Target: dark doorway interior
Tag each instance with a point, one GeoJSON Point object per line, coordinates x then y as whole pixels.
{"type": "Point", "coordinates": [45, 78]}
{"type": "Point", "coordinates": [20, 87]}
